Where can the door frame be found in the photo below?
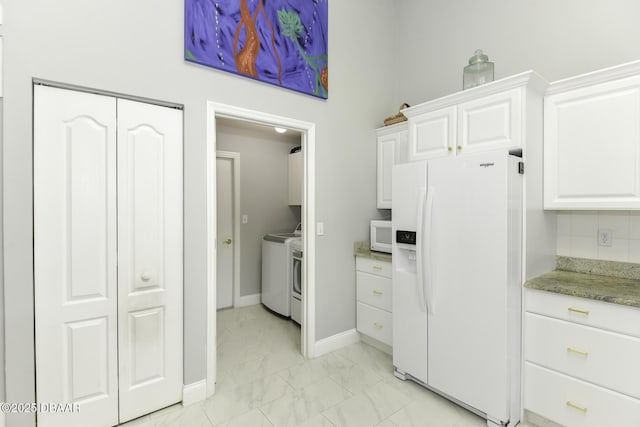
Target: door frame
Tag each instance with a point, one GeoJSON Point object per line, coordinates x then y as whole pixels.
{"type": "Point", "coordinates": [235, 158]}
{"type": "Point", "coordinates": [308, 139]}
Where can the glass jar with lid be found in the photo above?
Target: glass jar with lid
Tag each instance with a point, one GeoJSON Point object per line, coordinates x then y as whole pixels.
{"type": "Point", "coordinates": [479, 71]}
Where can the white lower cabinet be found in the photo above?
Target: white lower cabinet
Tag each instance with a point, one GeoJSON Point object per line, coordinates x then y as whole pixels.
{"type": "Point", "coordinates": [574, 403]}
{"type": "Point", "coordinates": [581, 361]}
{"type": "Point", "coordinates": [373, 295]}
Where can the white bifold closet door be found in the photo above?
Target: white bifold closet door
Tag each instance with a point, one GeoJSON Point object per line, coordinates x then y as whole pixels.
{"type": "Point", "coordinates": [107, 256]}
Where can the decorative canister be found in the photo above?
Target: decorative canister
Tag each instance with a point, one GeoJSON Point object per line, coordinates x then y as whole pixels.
{"type": "Point", "coordinates": [479, 71]}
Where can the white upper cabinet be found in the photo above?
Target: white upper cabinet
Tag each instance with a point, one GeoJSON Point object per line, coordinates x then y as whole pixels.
{"type": "Point", "coordinates": [392, 149]}
{"type": "Point", "coordinates": [295, 179]}
{"type": "Point", "coordinates": [432, 134]}
{"type": "Point", "coordinates": [490, 122]}
{"type": "Point", "coordinates": [592, 140]}
{"type": "Point", "coordinates": [484, 118]}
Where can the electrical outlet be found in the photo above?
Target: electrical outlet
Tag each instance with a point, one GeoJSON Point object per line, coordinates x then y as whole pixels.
{"type": "Point", "coordinates": [605, 237]}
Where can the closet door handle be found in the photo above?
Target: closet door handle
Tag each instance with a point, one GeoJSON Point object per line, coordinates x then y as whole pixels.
{"type": "Point", "coordinates": [146, 276]}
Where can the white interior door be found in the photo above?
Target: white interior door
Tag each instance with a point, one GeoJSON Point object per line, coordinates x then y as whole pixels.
{"type": "Point", "coordinates": [75, 266]}
{"type": "Point", "coordinates": [149, 257]}
{"type": "Point", "coordinates": [224, 195]}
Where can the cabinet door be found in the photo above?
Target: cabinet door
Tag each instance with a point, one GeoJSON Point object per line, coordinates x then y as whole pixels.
{"type": "Point", "coordinates": [432, 134]}
{"type": "Point", "coordinates": [386, 155]}
{"type": "Point", "coordinates": [402, 147]}
{"type": "Point", "coordinates": [490, 122]}
{"type": "Point", "coordinates": [75, 265]}
{"type": "Point", "coordinates": [149, 257]}
{"type": "Point", "coordinates": [592, 147]}
{"type": "Point", "coordinates": [295, 179]}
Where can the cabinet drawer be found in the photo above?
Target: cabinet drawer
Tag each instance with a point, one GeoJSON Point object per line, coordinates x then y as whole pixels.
{"type": "Point", "coordinates": [373, 290]}
{"type": "Point", "coordinates": [604, 358]}
{"type": "Point", "coordinates": [372, 266]}
{"type": "Point", "coordinates": [491, 122]}
{"type": "Point", "coordinates": [613, 317]}
{"type": "Point", "coordinates": [574, 403]}
{"type": "Point", "coordinates": [374, 322]}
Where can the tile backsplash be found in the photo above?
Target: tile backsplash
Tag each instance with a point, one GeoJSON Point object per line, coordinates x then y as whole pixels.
{"type": "Point", "coordinates": [578, 235]}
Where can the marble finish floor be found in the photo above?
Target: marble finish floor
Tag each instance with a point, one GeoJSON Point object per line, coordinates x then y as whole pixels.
{"type": "Point", "coordinates": [263, 380]}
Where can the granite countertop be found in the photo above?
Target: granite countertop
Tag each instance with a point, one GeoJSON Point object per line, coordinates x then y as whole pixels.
{"type": "Point", "coordinates": [363, 249]}
{"type": "Point", "coordinates": [608, 281]}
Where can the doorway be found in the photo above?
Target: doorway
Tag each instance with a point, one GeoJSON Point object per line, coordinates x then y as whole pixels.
{"type": "Point", "coordinates": [214, 240]}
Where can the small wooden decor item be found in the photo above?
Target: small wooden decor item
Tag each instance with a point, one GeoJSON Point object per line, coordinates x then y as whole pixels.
{"type": "Point", "coordinates": [397, 118]}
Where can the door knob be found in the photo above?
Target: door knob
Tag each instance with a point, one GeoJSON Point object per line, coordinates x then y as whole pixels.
{"type": "Point", "coordinates": [146, 276]}
{"type": "Point", "coordinates": [227, 242]}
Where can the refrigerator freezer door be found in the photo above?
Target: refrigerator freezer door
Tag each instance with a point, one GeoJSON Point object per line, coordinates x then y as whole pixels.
{"type": "Point", "coordinates": [409, 312]}
{"type": "Point", "coordinates": [467, 330]}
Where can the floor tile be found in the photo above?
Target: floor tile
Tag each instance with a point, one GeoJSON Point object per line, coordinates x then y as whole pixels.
{"type": "Point", "coordinates": [230, 403]}
{"type": "Point", "coordinates": [191, 416]}
{"type": "Point", "coordinates": [356, 378]}
{"type": "Point", "coordinates": [369, 407]}
{"type": "Point", "coordinates": [317, 421]}
{"type": "Point", "coordinates": [301, 405]}
{"type": "Point", "coordinates": [428, 411]}
{"type": "Point", "coordinates": [253, 418]}
{"type": "Point", "coordinates": [314, 370]}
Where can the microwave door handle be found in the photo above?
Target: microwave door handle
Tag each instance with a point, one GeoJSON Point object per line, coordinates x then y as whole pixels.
{"type": "Point", "coordinates": [422, 192]}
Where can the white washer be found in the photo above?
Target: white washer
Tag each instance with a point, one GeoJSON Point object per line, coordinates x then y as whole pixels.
{"type": "Point", "coordinates": [276, 272]}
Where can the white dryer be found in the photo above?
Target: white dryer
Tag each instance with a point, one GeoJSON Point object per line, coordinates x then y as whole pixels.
{"type": "Point", "coordinates": [276, 272]}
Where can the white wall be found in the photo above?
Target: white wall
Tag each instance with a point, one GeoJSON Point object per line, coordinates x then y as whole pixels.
{"type": "Point", "coordinates": [558, 39]}
{"type": "Point", "coordinates": [264, 192]}
{"type": "Point", "coordinates": [136, 47]}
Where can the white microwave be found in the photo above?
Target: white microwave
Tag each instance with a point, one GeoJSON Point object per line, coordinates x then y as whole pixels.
{"type": "Point", "coordinates": [381, 237]}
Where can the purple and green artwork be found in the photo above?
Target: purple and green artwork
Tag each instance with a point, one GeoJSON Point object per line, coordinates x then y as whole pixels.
{"type": "Point", "coordinates": [282, 42]}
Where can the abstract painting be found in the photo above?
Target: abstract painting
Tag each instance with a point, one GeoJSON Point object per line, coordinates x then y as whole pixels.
{"type": "Point", "coordinates": [282, 42]}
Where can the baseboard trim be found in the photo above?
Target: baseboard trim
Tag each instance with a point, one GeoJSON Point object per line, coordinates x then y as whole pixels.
{"type": "Point", "coordinates": [247, 300]}
{"type": "Point", "coordinates": [335, 342]}
{"type": "Point", "coordinates": [194, 393]}
{"type": "Point", "coordinates": [376, 344]}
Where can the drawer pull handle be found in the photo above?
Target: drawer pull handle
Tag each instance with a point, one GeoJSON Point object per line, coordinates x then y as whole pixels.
{"type": "Point", "coordinates": [377, 267]}
{"type": "Point", "coordinates": [577, 310]}
{"type": "Point", "coordinates": [377, 325]}
{"type": "Point", "coordinates": [570, 404]}
{"type": "Point", "coordinates": [377, 292]}
{"type": "Point", "coordinates": [581, 353]}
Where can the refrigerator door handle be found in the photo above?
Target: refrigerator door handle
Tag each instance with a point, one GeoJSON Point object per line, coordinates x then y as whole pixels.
{"type": "Point", "coordinates": [426, 275]}
{"type": "Point", "coordinates": [422, 192]}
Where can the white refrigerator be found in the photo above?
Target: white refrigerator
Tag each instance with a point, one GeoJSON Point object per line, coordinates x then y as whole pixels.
{"type": "Point", "coordinates": [457, 228]}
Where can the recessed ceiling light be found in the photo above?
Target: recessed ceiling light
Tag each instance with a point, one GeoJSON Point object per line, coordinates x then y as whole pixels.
{"type": "Point", "coordinates": [280, 130]}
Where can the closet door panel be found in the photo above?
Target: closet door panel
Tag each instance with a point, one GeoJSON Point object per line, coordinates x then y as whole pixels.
{"type": "Point", "coordinates": [75, 268]}
{"type": "Point", "coordinates": [149, 257]}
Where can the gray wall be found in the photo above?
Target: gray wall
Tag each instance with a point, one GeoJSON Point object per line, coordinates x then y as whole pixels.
{"type": "Point", "coordinates": [264, 192]}
{"type": "Point", "coordinates": [136, 47]}
{"type": "Point", "coordinates": [558, 39]}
